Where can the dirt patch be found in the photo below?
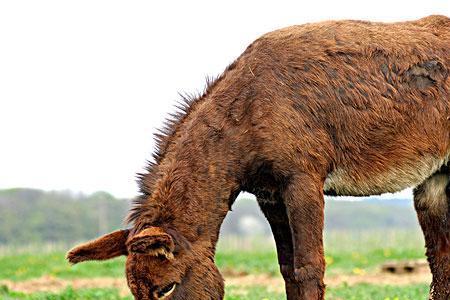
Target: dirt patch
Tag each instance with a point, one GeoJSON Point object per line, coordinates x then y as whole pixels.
{"type": "Point", "coordinates": [379, 278]}
{"type": "Point", "coordinates": [406, 272]}
{"type": "Point", "coordinates": [52, 284]}
{"type": "Point", "coordinates": [276, 284]}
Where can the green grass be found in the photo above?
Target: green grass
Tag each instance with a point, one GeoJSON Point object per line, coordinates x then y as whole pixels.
{"type": "Point", "coordinates": [344, 254]}
{"type": "Point", "coordinates": [375, 292]}
{"type": "Point", "coordinates": [67, 294]}
{"type": "Point", "coordinates": [25, 266]}
{"type": "Point", "coordinates": [357, 292]}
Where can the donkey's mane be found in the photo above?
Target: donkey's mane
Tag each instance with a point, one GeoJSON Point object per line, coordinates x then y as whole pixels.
{"type": "Point", "coordinates": [163, 137]}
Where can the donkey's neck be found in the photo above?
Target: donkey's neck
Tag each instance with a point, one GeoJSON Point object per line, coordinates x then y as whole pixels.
{"type": "Point", "coordinates": [202, 158]}
{"type": "Point", "coordinates": [199, 177]}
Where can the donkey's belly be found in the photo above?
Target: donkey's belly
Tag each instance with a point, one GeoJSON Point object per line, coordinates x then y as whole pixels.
{"type": "Point", "coordinates": [350, 182]}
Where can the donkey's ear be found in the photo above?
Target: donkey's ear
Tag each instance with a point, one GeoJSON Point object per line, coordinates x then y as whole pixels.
{"type": "Point", "coordinates": [152, 241]}
{"type": "Point", "coordinates": [105, 247]}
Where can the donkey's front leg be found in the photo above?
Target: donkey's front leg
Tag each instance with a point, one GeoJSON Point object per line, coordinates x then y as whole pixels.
{"type": "Point", "coordinates": [431, 203]}
{"type": "Point", "coordinates": [275, 212]}
{"type": "Point", "coordinates": [305, 209]}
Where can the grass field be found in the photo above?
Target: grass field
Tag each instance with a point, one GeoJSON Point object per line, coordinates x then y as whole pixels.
{"type": "Point", "coordinates": [249, 273]}
{"type": "Point", "coordinates": [358, 292]}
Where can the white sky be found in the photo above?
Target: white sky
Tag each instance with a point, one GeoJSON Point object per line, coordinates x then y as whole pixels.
{"type": "Point", "coordinates": [84, 84]}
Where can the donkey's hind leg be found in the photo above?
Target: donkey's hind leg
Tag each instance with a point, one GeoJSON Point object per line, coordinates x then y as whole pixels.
{"type": "Point", "coordinates": [432, 207]}
{"type": "Point", "coordinates": [275, 212]}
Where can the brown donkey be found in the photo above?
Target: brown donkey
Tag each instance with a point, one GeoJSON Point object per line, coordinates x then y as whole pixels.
{"type": "Point", "coordinates": [339, 108]}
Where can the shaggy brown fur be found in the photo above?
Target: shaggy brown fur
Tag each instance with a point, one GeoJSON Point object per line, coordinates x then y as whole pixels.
{"type": "Point", "coordinates": [346, 108]}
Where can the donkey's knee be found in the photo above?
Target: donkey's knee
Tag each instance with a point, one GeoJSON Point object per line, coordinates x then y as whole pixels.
{"type": "Point", "coordinates": [302, 286]}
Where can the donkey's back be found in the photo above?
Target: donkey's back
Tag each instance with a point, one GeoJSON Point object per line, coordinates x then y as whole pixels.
{"type": "Point", "coordinates": [369, 101]}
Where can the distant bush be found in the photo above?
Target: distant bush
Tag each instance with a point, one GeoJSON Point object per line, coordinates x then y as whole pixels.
{"type": "Point", "coordinates": [34, 216]}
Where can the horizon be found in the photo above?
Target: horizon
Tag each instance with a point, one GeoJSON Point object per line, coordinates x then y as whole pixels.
{"type": "Point", "coordinates": [403, 195]}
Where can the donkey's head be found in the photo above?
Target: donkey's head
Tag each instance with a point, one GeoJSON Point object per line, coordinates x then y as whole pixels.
{"type": "Point", "coordinates": [161, 263]}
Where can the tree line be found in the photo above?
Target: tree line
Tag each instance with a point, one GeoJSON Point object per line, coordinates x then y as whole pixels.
{"type": "Point", "coordinates": [30, 216]}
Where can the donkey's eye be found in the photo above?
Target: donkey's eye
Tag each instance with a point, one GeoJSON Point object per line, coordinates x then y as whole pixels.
{"type": "Point", "coordinates": [166, 291]}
